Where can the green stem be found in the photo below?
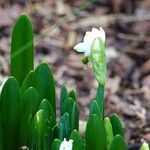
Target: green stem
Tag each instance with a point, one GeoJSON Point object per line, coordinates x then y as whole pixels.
{"type": "Point", "coordinates": [100, 98]}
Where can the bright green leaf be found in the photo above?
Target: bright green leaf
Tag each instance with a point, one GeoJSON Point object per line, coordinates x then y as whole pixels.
{"type": "Point", "coordinates": [109, 132]}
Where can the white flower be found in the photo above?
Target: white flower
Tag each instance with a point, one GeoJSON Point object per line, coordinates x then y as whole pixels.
{"type": "Point", "coordinates": [89, 37]}
{"type": "Point", "coordinates": [66, 145]}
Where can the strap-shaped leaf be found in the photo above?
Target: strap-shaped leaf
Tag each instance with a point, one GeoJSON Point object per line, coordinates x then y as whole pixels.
{"type": "Point", "coordinates": [46, 106]}
{"type": "Point", "coordinates": [1, 134]}
{"type": "Point", "coordinates": [70, 106]}
{"type": "Point", "coordinates": [63, 95]}
{"type": "Point", "coordinates": [109, 132]}
{"type": "Point", "coordinates": [73, 95]}
{"type": "Point", "coordinates": [78, 143]}
{"type": "Point", "coordinates": [43, 81]}
{"type": "Point", "coordinates": [116, 125]}
{"type": "Point", "coordinates": [41, 132]}
{"type": "Point", "coordinates": [95, 135]}
{"type": "Point", "coordinates": [55, 144]}
{"type": "Point", "coordinates": [118, 143]}
{"type": "Point", "coordinates": [10, 113]}
{"type": "Point", "coordinates": [22, 48]}
{"type": "Point", "coordinates": [30, 103]}
{"type": "Point", "coordinates": [65, 126]}
{"type": "Point", "coordinates": [58, 132]}
{"type": "Point", "coordinates": [94, 109]}
{"type": "Point", "coordinates": [27, 82]}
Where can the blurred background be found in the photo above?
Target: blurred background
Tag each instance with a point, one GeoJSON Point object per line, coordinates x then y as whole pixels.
{"type": "Point", "coordinates": [60, 24]}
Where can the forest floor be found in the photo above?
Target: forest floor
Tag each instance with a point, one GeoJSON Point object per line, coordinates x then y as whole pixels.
{"type": "Point", "coordinates": [59, 25]}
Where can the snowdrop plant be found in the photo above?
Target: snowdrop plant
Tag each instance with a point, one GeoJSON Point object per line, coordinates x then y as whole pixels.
{"type": "Point", "coordinates": [28, 102]}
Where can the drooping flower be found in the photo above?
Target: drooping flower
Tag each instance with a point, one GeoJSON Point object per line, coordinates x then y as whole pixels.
{"type": "Point", "coordinates": [88, 40]}
{"type": "Point", "coordinates": [66, 145]}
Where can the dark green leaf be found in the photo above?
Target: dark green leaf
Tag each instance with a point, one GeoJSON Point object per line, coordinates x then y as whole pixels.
{"type": "Point", "coordinates": [22, 48]}
{"type": "Point", "coordinates": [58, 132]}
{"type": "Point", "coordinates": [41, 132]}
{"type": "Point", "coordinates": [30, 103]}
{"type": "Point", "coordinates": [43, 81]}
{"type": "Point", "coordinates": [116, 125]}
{"type": "Point", "coordinates": [95, 135]}
{"type": "Point", "coordinates": [78, 143]}
{"type": "Point", "coordinates": [27, 81]}
{"type": "Point", "coordinates": [55, 144]}
{"type": "Point", "coordinates": [70, 106]}
{"type": "Point", "coordinates": [73, 95]}
{"type": "Point", "coordinates": [46, 106]}
{"type": "Point", "coordinates": [94, 109]}
{"type": "Point", "coordinates": [64, 122]}
{"type": "Point", "coordinates": [118, 143]}
{"type": "Point", "coordinates": [63, 95]}
{"type": "Point", "coordinates": [10, 113]}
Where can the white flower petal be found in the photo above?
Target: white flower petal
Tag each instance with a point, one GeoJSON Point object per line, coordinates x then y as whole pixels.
{"type": "Point", "coordinates": [66, 145]}
{"type": "Point", "coordinates": [80, 47]}
{"type": "Point", "coordinates": [102, 34]}
{"type": "Point", "coordinates": [89, 37]}
{"type": "Point", "coordinates": [96, 33]}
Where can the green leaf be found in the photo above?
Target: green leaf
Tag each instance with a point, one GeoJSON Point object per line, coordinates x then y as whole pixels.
{"type": "Point", "coordinates": [64, 122]}
{"type": "Point", "coordinates": [10, 113]}
{"type": "Point", "coordinates": [41, 132]}
{"type": "Point", "coordinates": [43, 81]}
{"type": "Point", "coordinates": [73, 95]}
{"type": "Point", "coordinates": [118, 143]}
{"type": "Point", "coordinates": [27, 82]}
{"type": "Point", "coordinates": [30, 103]}
{"type": "Point", "coordinates": [109, 132]}
{"type": "Point", "coordinates": [70, 106]}
{"type": "Point", "coordinates": [58, 132]}
{"type": "Point", "coordinates": [46, 106]}
{"type": "Point", "coordinates": [116, 125]}
{"type": "Point", "coordinates": [63, 95]}
{"type": "Point", "coordinates": [22, 48]}
{"type": "Point", "coordinates": [94, 109]}
{"type": "Point", "coordinates": [98, 59]}
{"type": "Point", "coordinates": [1, 134]}
{"type": "Point", "coordinates": [78, 143]}
{"type": "Point", "coordinates": [95, 135]}
{"type": "Point", "coordinates": [144, 146]}
{"type": "Point", "coordinates": [55, 144]}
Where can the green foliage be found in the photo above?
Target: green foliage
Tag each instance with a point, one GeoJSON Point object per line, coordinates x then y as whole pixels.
{"type": "Point", "coordinates": [95, 136]}
{"type": "Point", "coordinates": [22, 48]}
{"type": "Point", "coordinates": [28, 107]}
{"type": "Point", "coordinates": [10, 104]}
{"type": "Point", "coordinates": [78, 143]}
{"type": "Point", "coordinates": [118, 143]}
{"type": "Point", "coordinates": [116, 125]}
